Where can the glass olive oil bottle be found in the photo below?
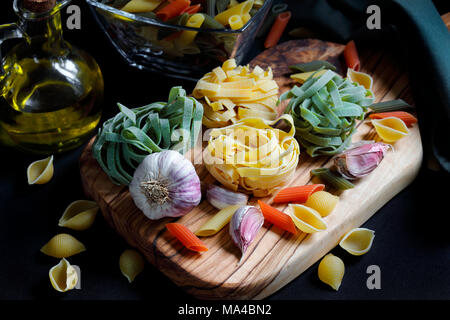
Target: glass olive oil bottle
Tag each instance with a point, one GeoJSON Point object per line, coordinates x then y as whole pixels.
{"type": "Point", "coordinates": [51, 91]}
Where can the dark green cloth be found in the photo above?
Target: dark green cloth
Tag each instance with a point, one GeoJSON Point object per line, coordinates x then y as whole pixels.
{"type": "Point", "coordinates": [416, 32]}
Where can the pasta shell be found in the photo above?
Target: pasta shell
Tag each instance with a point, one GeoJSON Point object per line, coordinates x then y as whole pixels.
{"type": "Point", "coordinates": [357, 241]}
{"type": "Point", "coordinates": [360, 77]}
{"type": "Point", "coordinates": [323, 202]}
{"type": "Point", "coordinates": [40, 171]}
{"type": "Point", "coordinates": [307, 219]}
{"type": "Point", "coordinates": [131, 264]}
{"type": "Point", "coordinates": [62, 246]}
{"type": "Point", "coordinates": [79, 215]}
{"type": "Point", "coordinates": [390, 129]}
{"type": "Point", "coordinates": [63, 276]}
{"type": "Point", "coordinates": [331, 271]}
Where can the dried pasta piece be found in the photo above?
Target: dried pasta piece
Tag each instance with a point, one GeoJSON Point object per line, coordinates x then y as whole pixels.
{"type": "Point", "coordinates": [235, 22]}
{"type": "Point", "coordinates": [297, 194]}
{"type": "Point", "coordinates": [131, 264]}
{"type": "Point", "coordinates": [307, 219]}
{"type": "Point", "coordinates": [406, 117]}
{"type": "Point", "coordinates": [357, 241]}
{"type": "Point", "coordinates": [351, 56]}
{"type": "Point", "coordinates": [240, 10]}
{"type": "Point", "coordinates": [331, 271]}
{"type": "Point", "coordinates": [40, 171]}
{"type": "Point", "coordinates": [186, 237]}
{"type": "Point", "coordinates": [361, 78]}
{"type": "Point", "coordinates": [187, 36]}
{"type": "Point", "coordinates": [217, 222]}
{"type": "Point", "coordinates": [278, 218]}
{"type": "Point", "coordinates": [63, 276]}
{"type": "Point", "coordinates": [136, 6]}
{"type": "Point", "coordinates": [303, 76]}
{"type": "Point", "coordinates": [79, 215]}
{"type": "Point", "coordinates": [62, 245]}
{"type": "Point", "coordinates": [390, 129]}
{"type": "Point", "coordinates": [323, 202]}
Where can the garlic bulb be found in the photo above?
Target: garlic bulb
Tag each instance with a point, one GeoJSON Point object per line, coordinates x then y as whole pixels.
{"type": "Point", "coordinates": [165, 184]}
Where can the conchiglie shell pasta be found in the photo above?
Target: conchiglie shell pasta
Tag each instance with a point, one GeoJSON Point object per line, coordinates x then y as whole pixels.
{"type": "Point", "coordinates": [79, 215]}
{"type": "Point", "coordinates": [323, 202]}
{"type": "Point", "coordinates": [361, 78]}
{"type": "Point", "coordinates": [390, 129]}
{"type": "Point", "coordinates": [63, 276]}
{"type": "Point", "coordinates": [62, 246]}
{"type": "Point", "coordinates": [40, 171]}
{"type": "Point", "coordinates": [131, 264]}
{"type": "Point", "coordinates": [357, 241]}
{"type": "Point", "coordinates": [307, 219]}
{"type": "Point", "coordinates": [331, 271]}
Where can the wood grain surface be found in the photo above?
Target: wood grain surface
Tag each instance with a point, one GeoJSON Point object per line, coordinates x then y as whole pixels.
{"type": "Point", "coordinates": [275, 257]}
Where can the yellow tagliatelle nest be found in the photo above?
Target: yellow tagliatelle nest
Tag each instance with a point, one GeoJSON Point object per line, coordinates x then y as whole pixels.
{"type": "Point", "coordinates": [251, 156]}
{"type": "Point", "coordinates": [231, 93]}
{"type": "Point", "coordinates": [390, 129]}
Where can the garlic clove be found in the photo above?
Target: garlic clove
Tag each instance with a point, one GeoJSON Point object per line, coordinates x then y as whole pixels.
{"type": "Point", "coordinates": [244, 226]}
{"type": "Point", "coordinates": [360, 161]}
{"type": "Point", "coordinates": [221, 198]}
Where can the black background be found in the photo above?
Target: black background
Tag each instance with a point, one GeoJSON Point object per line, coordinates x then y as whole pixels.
{"type": "Point", "coordinates": [411, 246]}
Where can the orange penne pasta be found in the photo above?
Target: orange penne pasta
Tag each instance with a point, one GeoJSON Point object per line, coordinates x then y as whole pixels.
{"type": "Point", "coordinates": [406, 117]}
{"type": "Point", "coordinates": [172, 9]}
{"type": "Point", "coordinates": [277, 217]}
{"type": "Point", "coordinates": [186, 237]}
{"type": "Point", "coordinates": [277, 29]}
{"type": "Point", "coordinates": [297, 194]}
{"type": "Point", "coordinates": [192, 9]}
{"type": "Point", "coordinates": [351, 56]}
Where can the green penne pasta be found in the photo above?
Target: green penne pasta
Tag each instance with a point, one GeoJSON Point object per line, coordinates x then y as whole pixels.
{"type": "Point", "coordinates": [312, 66]}
{"type": "Point", "coordinates": [393, 105]}
{"type": "Point", "coordinates": [330, 178]}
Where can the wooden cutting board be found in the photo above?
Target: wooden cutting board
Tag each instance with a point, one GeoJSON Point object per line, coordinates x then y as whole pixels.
{"type": "Point", "coordinates": [275, 257]}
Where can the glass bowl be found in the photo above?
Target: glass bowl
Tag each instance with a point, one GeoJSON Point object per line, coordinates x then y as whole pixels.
{"type": "Point", "coordinates": [148, 44]}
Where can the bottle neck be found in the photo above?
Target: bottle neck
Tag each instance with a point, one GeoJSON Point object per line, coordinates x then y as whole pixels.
{"type": "Point", "coordinates": [46, 32]}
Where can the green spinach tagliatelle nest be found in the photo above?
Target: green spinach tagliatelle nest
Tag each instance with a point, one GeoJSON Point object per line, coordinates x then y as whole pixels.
{"type": "Point", "coordinates": [325, 110]}
{"type": "Point", "coordinates": [126, 139]}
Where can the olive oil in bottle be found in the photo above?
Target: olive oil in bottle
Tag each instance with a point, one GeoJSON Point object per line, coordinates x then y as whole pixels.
{"type": "Point", "coordinates": [51, 91]}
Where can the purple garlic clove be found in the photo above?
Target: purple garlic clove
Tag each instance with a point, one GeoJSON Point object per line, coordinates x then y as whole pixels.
{"type": "Point", "coordinates": [244, 226]}
{"type": "Point", "coordinates": [360, 161]}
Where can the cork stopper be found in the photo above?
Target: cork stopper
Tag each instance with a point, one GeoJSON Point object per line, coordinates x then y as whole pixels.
{"type": "Point", "coordinates": [38, 6]}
